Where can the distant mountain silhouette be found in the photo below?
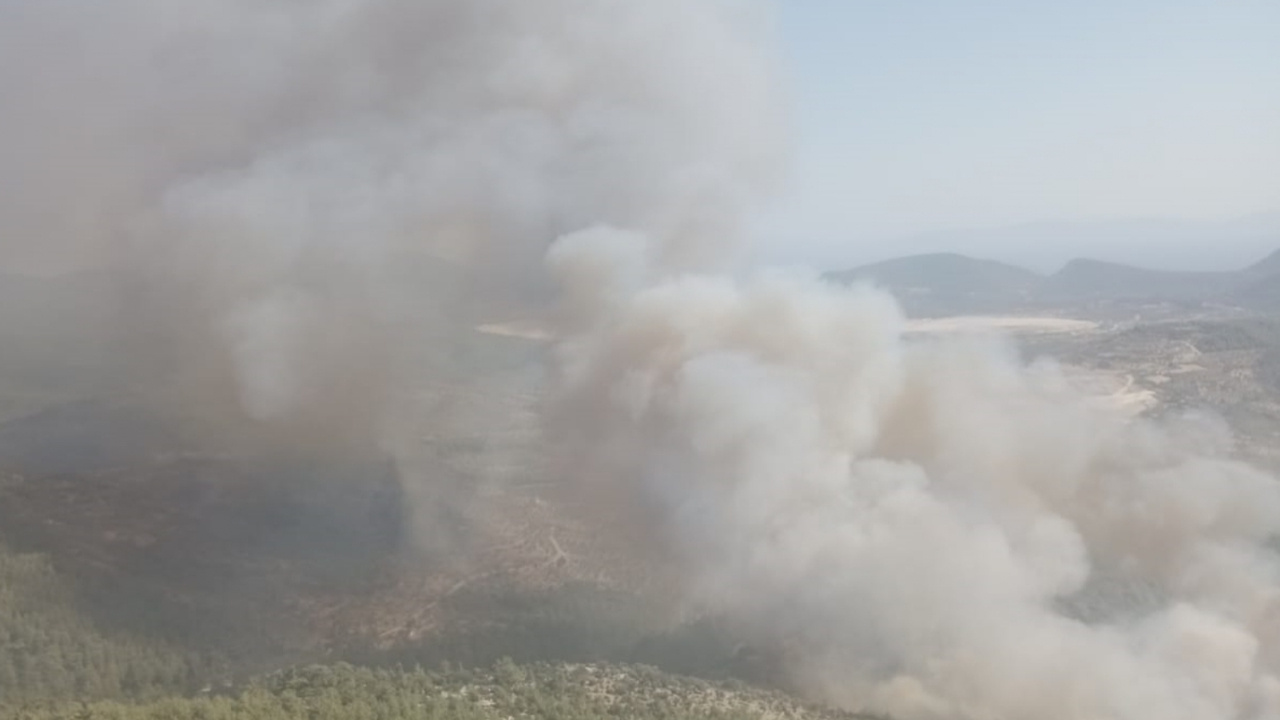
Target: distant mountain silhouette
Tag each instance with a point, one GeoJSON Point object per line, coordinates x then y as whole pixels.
{"type": "Point", "coordinates": [1164, 244]}
{"type": "Point", "coordinates": [949, 283]}
{"type": "Point", "coordinates": [1261, 291]}
{"type": "Point", "coordinates": [1269, 265]}
{"type": "Point", "coordinates": [1084, 279]}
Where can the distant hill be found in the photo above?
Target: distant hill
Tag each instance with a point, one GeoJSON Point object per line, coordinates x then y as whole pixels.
{"type": "Point", "coordinates": [1163, 244]}
{"type": "Point", "coordinates": [954, 284]}
{"type": "Point", "coordinates": [943, 282]}
{"type": "Point", "coordinates": [1084, 279]}
{"type": "Point", "coordinates": [1258, 286]}
{"type": "Point", "coordinates": [1269, 265]}
{"type": "Point", "coordinates": [1261, 292]}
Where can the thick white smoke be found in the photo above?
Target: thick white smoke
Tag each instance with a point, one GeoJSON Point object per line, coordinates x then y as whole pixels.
{"type": "Point", "coordinates": [303, 198]}
{"type": "Point", "coordinates": [930, 528]}
{"type": "Point", "coordinates": [306, 204]}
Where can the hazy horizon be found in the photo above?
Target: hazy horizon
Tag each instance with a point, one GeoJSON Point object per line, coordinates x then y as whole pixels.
{"type": "Point", "coordinates": [939, 127]}
{"type": "Point", "coordinates": [1044, 246]}
{"type": "Point", "coordinates": [936, 118]}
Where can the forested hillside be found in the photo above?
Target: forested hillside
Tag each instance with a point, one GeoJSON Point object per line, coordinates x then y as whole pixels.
{"type": "Point", "coordinates": [50, 650]}
{"type": "Point", "coordinates": [507, 690]}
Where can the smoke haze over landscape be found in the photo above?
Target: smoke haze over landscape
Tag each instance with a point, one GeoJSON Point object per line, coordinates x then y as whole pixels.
{"type": "Point", "coordinates": [289, 212]}
{"type": "Point", "coordinates": [276, 186]}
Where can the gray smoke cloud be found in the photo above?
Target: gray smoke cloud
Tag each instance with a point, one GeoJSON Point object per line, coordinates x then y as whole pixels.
{"type": "Point", "coordinates": [302, 204]}
{"type": "Point", "coordinates": [928, 529]}
{"type": "Point", "coordinates": [302, 207]}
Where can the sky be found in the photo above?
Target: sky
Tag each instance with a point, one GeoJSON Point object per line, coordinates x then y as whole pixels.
{"type": "Point", "coordinates": [921, 116]}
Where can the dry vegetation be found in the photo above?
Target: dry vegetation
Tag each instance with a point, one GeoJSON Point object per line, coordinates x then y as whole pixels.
{"type": "Point", "coordinates": [1227, 366]}
{"type": "Point", "coordinates": [505, 691]}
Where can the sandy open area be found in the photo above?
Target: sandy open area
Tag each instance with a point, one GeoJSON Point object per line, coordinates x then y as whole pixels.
{"type": "Point", "coordinates": [1007, 323]}
{"type": "Point", "coordinates": [524, 331]}
{"type": "Point", "coordinates": [1115, 390]}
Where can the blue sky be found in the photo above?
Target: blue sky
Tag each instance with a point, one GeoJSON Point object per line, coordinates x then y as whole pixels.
{"type": "Point", "coordinates": [921, 115]}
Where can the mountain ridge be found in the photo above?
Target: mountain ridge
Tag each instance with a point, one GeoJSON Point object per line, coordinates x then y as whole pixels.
{"type": "Point", "coordinates": [953, 283]}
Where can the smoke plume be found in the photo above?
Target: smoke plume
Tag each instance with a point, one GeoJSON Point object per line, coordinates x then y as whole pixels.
{"type": "Point", "coordinates": [928, 529]}
{"type": "Point", "coordinates": [301, 208]}
{"type": "Point", "coordinates": [302, 205]}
